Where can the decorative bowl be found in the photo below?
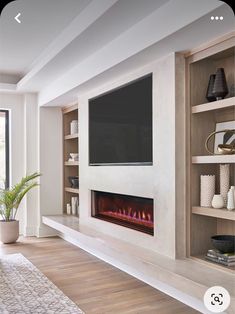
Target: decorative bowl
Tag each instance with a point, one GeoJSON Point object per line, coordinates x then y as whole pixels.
{"type": "Point", "coordinates": [74, 181]}
{"type": "Point", "coordinates": [74, 156]}
{"type": "Point", "coordinates": [224, 243]}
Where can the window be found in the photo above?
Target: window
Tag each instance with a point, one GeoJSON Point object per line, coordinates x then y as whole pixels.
{"type": "Point", "coordinates": [4, 149]}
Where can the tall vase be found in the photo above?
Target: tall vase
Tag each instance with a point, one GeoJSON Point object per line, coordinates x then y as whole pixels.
{"type": "Point", "coordinates": [220, 89]}
{"type": "Point", "coordinates": [224, 182]}
{"type": "Point", "coordinates": [209, 94]}
{"type": "Point", "coordinates": [207, 190]}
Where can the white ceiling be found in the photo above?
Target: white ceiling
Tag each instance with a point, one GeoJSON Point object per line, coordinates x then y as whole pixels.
{"type": "Point", "coordinates": [42, 22]}
{"type": "Point", "coordinates": [63, 46]}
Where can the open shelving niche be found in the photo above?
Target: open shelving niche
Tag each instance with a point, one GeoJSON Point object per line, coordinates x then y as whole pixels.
{"type": "Point", "coordinates": [202, 222]}
{"type": "Point", "coordinates": [70, 145]}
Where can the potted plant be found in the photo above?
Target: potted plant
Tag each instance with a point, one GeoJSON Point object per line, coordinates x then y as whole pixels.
{"type": "Point", "coordinates": [10, 200]}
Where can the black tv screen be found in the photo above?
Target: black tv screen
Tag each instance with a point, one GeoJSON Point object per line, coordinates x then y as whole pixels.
{"type": "Point", "coordinates": [120, 125]}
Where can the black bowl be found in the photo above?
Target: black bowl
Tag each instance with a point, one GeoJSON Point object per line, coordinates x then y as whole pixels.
{"type": "Point", "coordinates": [224, 243]}
{"type": "Point", "coordinates": [74, 181]}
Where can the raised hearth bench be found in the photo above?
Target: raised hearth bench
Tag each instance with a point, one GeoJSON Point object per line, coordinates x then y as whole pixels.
{"type": "Point", "coordinates": [185, 279]}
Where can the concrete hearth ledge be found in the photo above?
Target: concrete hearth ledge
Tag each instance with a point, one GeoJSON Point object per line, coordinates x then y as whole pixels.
{"type": "Point", "coordinates": [186, 279]}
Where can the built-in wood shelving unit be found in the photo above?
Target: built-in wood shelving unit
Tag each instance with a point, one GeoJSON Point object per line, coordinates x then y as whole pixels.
{"type": "Point", "coordinates": [203, 222]}
{"type": "Point", "coordinates": [71, 168]}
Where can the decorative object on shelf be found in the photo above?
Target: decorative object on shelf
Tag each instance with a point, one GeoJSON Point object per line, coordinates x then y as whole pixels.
{"type": "Point", "coordinates": [74, 181]}
{"type": "Point", "coordinates": [218, 201]}
{"type": "Point", "coordinates": [226, 259]}
{"type": "Point", "coordinates": [74, 202]}
{"type": "Point", "coordinates": [231, 200]}
{"type": "Point", "coordinates": [233, 188]}
{"type": "Point", "coordinates": [224, 181]}
{"type": "Point", "coordinates": [207, 190]}
{"type": "Point", "coordinates": [73, 157]}
{"type": "Point", "coordinates": [224, 143]}
{"type": "Point", "coordinates": [220, 88]}
{"type": "Point", "coordinates": [68, 209]}
{"type": "Point", "coordinates": [232, 91]}
{"type": "Point", "coordinates": [74, 127]}
{"type": "Point", "coordinates": [227, 138]}
{"type": "Point", "coordinates": [224, 243]}
{"type": "Point", "coordinates": [209, 95]}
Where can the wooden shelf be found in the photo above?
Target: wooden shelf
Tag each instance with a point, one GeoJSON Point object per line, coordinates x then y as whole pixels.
{"type": "Point", "coordinates": [213, 212]}
{"type": "Point", "coordinates": [213, 159]}
{"type": "Point", "coordinates": [214, 105]}
{"type": "Point", "coordinates": [71, 163]}
{"type": "Point", "coordinates": [203, 260]}
{"type": "Point", "coordinates": [71, 190]}
{"type": "Point", "coordinates": [71, 136]}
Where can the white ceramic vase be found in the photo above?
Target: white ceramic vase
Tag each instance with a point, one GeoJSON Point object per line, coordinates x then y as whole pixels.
{"type": "Point", "coordinates": [217, 201]}
{"type": "Point", "coordinates": [68, 209]}
{"type": "Point", "coordinates": [74, 202]}
{"type": "Point", "coordinates": [224, 182]}
{"type": "Point", "coordinates": [74, 127]}
{"type": "Point", "coordinates": [207, 190]}
{"type": "Point", "coordinates": [231, 200]}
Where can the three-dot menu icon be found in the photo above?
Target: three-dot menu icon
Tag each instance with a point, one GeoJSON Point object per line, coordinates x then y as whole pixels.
{"type": "Point", "coordinates": [217, 18]}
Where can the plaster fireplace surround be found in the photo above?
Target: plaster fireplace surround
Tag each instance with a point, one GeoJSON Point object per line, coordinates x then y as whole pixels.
{"type": "Point", "coordinates": [125, 210]}
{"type": "Point", "coordinates": [156, 182]}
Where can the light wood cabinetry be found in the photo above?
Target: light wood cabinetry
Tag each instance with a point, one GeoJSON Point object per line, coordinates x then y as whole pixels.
{"type": "Point", "coordinates": [70, 145]}
{"type": "Point", "coordinates": [202, 116]}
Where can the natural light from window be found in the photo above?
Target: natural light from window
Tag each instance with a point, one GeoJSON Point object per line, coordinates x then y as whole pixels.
{"type": "Point", "coordinates": [2, 149]}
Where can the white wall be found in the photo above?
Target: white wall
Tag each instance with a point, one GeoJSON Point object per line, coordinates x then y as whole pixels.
{"type": "Point", "coordinates": [35, 145]}
{"type": "Point", "coordinates": [157, 181]}
{"type": "Point", "coordinates": [15, 104]}
{"type": "Point", "coordinates": [51, 165]}
{"type": "Point", "coordinates": [31, 144]}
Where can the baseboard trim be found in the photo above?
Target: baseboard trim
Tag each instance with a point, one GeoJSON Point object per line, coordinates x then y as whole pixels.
{"type": "Point", "coordinates": [30, 231]}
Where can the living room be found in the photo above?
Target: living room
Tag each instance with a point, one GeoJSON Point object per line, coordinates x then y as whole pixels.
{"type": "Point", "coordinates": [109, 121]}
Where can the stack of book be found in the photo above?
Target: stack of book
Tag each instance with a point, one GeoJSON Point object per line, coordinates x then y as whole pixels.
{"type": "Point", "coordinates": [226, 259]}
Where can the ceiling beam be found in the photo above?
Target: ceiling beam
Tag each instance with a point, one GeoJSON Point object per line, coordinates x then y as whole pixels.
{"type": "Point", "coordinates": [88, 16]}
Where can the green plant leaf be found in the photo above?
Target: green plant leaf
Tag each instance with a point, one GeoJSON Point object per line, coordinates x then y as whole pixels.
{"type": "Point", "coordinates": [10, 199]}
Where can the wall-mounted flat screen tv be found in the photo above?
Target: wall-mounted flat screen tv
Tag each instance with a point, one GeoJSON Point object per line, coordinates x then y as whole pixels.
{"type": "Point", "coordinates": [120, 125]}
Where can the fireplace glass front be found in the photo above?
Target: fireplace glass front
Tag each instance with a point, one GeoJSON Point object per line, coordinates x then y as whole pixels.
{"type": "Point", "coordinates": [129, 211]}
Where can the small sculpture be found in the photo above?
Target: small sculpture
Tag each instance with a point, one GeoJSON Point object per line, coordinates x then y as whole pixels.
{"type": "Point", "coordinates": [222, 149]}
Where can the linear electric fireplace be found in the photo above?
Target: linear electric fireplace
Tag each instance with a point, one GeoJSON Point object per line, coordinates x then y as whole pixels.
{"type": "Point", "coordinates": [125, 210]}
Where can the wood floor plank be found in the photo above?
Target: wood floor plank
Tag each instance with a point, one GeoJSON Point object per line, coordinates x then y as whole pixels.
{"type": "Point", "coordinates": [97, 287]}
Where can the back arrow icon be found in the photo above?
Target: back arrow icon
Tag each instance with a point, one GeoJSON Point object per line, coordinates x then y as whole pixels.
{"type": "Point", "coordinates": [17, 18]}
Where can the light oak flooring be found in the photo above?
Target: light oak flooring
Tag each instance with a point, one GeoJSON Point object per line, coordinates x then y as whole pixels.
{"type": "Point", "coordinates": [97, 287]}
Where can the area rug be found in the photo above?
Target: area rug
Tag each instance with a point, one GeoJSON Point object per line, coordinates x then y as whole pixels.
{"type": "Point", "coordinates": [25, 290]}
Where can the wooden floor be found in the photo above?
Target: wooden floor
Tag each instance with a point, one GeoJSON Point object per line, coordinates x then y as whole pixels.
{"type": "Point", "coordinates": [94, 285]}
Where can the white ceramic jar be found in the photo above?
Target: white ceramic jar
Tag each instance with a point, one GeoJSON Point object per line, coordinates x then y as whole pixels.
{"type": "Point", "coordinates": [207, 190]}
{"type": "Point", "coordinates": [231, 200]}
{"type": "Point", "coordinates": [74, 127]}
{"type": "Point", "coordinates": [217, 201]}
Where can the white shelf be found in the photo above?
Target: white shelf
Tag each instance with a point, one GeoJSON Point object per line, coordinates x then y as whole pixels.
{"type": "Point", "coordinates": [214, 105]}
{"type": "Point", "coordinates": [71, 136]}
{"type": "Point", "coordinates": [213, 159]}
{"type": "Point", "coordinates": [71, 190]}
{"type": "Point", "coordinates": [213, 212]}
{"type": "Point", "coordinates": [71, 163]}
